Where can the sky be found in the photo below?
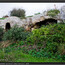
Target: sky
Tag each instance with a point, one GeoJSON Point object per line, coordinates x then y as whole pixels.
{"type": "Point", "coordinates": [30, 8]}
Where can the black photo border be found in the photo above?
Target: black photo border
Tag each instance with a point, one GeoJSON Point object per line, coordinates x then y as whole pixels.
{"type": "Point", "coordinates": [32, 1]}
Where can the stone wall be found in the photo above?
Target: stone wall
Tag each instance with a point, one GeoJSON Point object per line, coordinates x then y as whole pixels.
{"type": "Point", "coordinates": [25, 22]}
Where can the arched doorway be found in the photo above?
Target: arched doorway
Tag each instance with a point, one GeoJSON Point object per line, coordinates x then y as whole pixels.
{"type": "Point", "coordinates": [7, 27]}
{"type": "Point", "coordinates": [44, 22]}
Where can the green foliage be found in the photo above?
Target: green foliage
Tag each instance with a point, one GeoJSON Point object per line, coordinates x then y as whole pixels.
{"type": "Point", "coordinates": [52, 33]}
{"type": "Point", "coordinates": [18, 56]}
{"type": "Point", "coordinates": [2, 18]}
{"type": "Point", "coordinates": [1, 33]}
{"type": "Point", "coordinates": [53, 12]}
{"type": "Point", "coordinates": [49, 41]}
{"type": "Point", "coordinates": [22, 17]}
{"type": "Point", "coordinates": [49, 38]}
{"type": "Point", "coordinates": [40, 53]}
{"type": "Point", "coordinates": [16, 34]}
{"type": "Point", "coordinates": [21, 43]}
{"type": "Point", "coordinates": [1, 54]}
{"type": "Point", "coordinates": [37, 13]}
{"type": "Point", "coordinates": [18, 13]}
{"type": "Point", "coordinates": [14, 53]}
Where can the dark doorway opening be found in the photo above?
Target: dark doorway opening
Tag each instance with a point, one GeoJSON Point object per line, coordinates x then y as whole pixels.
{"type": "Point", "coordinates": [8, 26]}
{"type": "Point", "coordinates": [45, 22]}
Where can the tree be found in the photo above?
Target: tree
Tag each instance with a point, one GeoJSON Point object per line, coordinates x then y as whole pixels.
{"type": "Point", "coordinates": [18, 13]}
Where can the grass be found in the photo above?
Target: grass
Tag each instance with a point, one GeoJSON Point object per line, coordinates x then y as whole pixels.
{"type": "Point", "coordinates": [29, 58]}
{"type": "Point", "coordinates": [13, 54]}
{"type": "Point", "coordinates": [20, 51]}
{"type": "Point", "coordinates": [2, 18]}
{"type": "Point", "coordinates": [19, 56]}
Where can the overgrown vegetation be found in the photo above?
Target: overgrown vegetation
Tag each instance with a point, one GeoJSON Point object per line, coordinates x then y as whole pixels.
{"type": "Point", "coordinates": [15, 34]}
{"type": "Point", "coordinates": [46, 44]}
{"type": "Point", "coordinates": [18, 12]}
{"type": "Point", "coordinates": [1, 33]}
{"type": "Point", "coordinates": [18, 56]}
{"type": "Point", "coordinates": [49, 41]}
{"type": "Point", "coordinates": [53, 12]}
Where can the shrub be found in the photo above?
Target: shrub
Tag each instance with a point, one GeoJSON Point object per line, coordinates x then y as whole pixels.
{"type": "Point", "coordinates": [49, 38]}
{"type": "Point", "coordinates": [53, 12]}
{"type": "Point", "coordinates": [52, 33]}
{"type": "Point", "coordinates": [16, 34]}
{"type": "Point", "coordinates": [18, 12]}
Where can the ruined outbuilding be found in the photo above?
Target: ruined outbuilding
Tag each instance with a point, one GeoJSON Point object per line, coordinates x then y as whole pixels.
{"type": "Point", "coordinates": [30, 22]}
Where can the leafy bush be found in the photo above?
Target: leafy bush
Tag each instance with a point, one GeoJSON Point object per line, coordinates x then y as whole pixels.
{"type": "Point", "coordinates": [49, 38]}
{"type": "Point", "coordinates": [52, 33]}
{"type": "Point", "coordinates": [16, 34]}
{"type": "Point", "coordinates": [53, 12]}
{"type": "Point", "coordinates": [18, 12]}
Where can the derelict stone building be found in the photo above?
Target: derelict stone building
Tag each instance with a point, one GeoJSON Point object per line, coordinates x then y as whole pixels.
{"type": "Point", "coordinates": [29, 22]}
